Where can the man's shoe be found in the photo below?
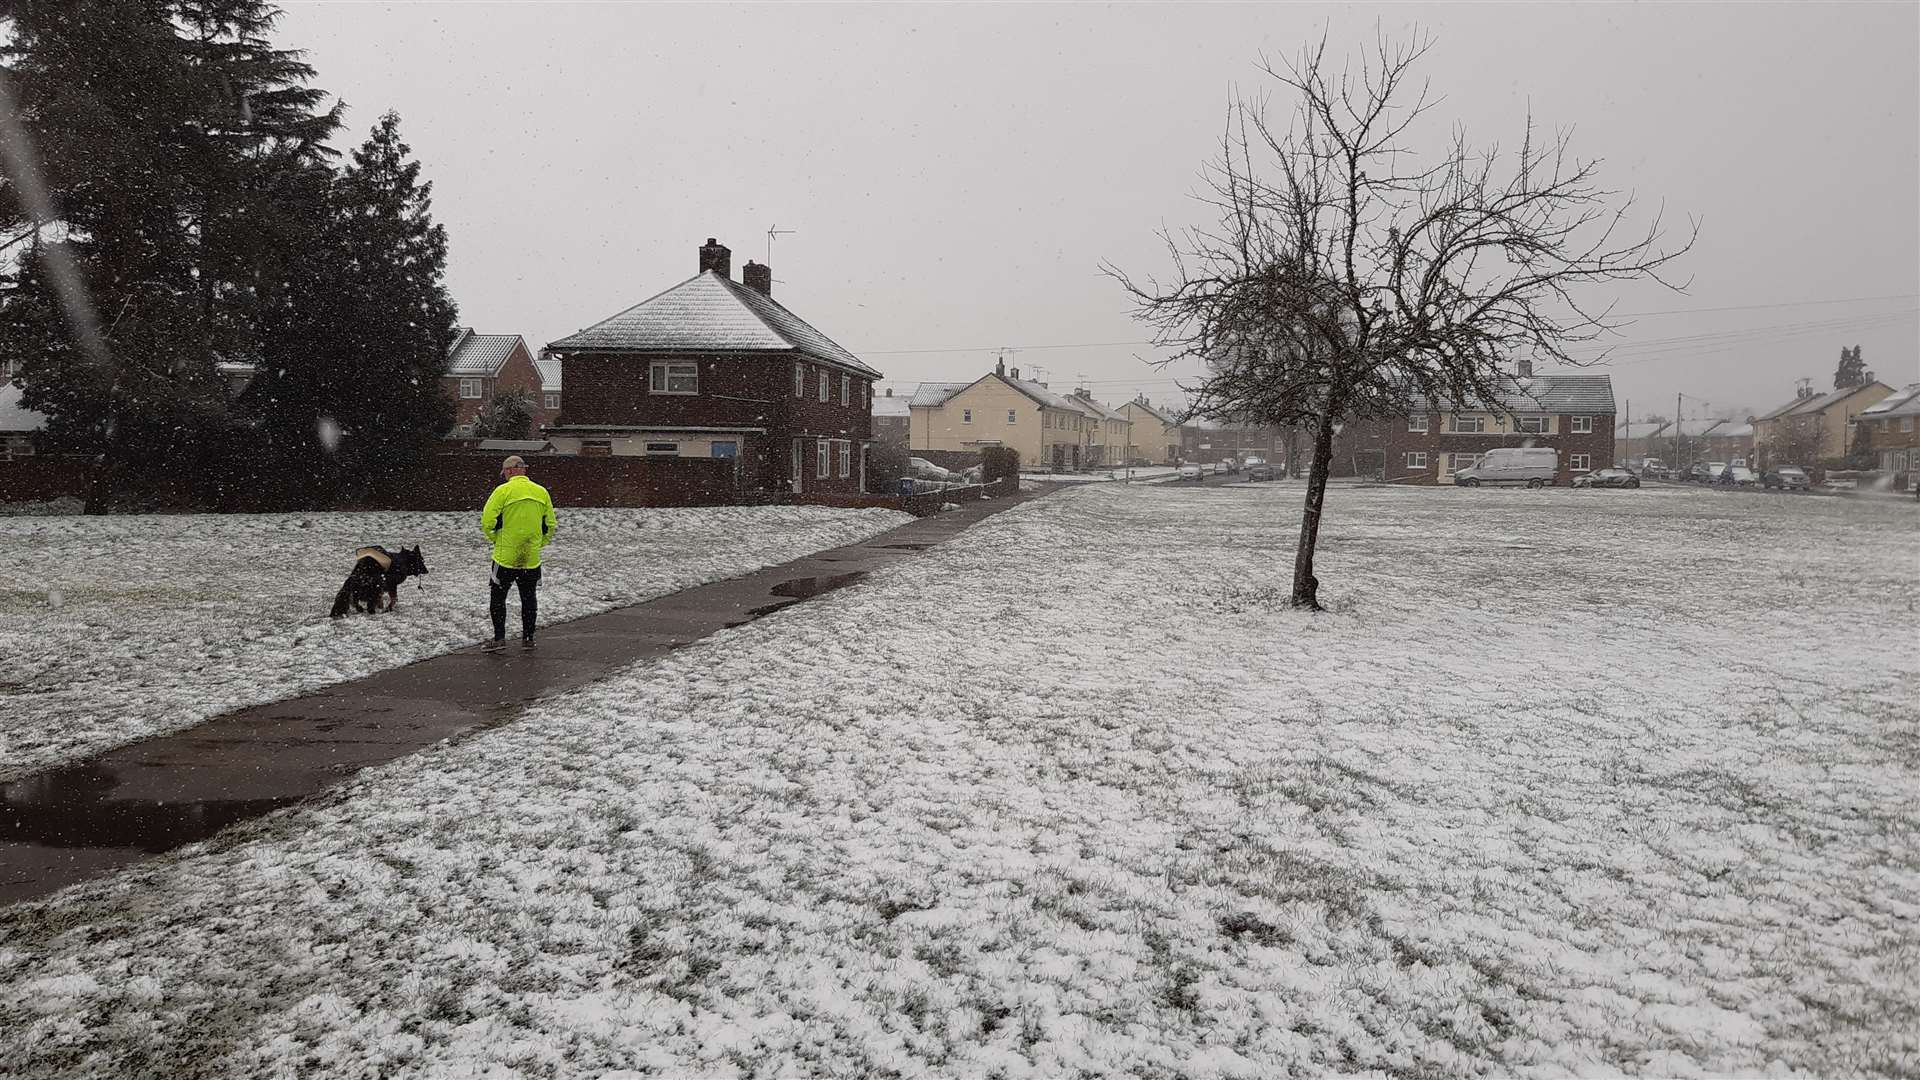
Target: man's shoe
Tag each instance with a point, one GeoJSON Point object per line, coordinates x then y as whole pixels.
{"type": "Point", "coordinates": [526, 641]}
{"type": "Point", "coordinates": [495, 645]}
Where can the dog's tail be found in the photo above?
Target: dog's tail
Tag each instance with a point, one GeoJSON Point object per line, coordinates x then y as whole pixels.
{"type": "Point", "coordinates": [342, 600]}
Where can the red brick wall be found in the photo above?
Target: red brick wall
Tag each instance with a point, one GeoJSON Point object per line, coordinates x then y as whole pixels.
{"type": "Point", "coordinates": [463, 482]}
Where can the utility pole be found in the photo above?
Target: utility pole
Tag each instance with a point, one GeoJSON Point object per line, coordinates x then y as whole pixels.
{"type": "Point", "coordinates": [1676, 430]}
{"type": "Point", "coordinates": [1629, 431]}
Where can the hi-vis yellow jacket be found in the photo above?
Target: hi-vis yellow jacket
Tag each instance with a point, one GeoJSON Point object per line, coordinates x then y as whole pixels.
{"type": "Point", "coordinates": [519, 520]}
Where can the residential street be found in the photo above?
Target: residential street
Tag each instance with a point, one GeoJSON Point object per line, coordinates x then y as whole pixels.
{"type": "Point", "coordinates": [1076, 793]}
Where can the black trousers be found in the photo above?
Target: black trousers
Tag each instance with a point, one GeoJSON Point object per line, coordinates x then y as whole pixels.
{"type": "Point", "coordinates": [504, 578]}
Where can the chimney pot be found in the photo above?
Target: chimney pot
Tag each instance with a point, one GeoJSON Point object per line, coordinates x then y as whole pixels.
{"type": "Point", "coordinates": [889, 391]}
{"type": "Point", "coordinates": [716, 257]}
{"type": "Point", "coordinates": [758, 277]}
{"type": "Point", "coordinates": [1016, 373]}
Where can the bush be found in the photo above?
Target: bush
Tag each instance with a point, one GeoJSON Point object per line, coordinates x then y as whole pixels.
{"type": "Point", "coordinates": [886, 464]}
{"type": "Point", "coordinates": [998, 463]}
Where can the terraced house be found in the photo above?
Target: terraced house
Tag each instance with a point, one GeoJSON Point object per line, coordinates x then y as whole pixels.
{"type": "Point", "coordinates": [1001, 409]}
{"type": "Point", "coordinates": [714, 367]}
{"type": "Point", "coordinates": [1574, 414]}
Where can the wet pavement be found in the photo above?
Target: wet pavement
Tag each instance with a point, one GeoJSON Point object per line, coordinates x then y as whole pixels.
{"type": "Point", "coordinates": [89, 819]}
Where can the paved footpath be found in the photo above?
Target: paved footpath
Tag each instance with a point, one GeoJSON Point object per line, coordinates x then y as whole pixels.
{"type": "Point", "coordinates": [87, 820]}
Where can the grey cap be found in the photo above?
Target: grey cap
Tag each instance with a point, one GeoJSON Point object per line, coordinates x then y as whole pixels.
{"type": "Point", "coordinates": [514, 461]}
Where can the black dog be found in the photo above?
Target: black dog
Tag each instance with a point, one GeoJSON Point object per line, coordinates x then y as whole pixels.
{"type": "Point", "coordinates": [377, 573]}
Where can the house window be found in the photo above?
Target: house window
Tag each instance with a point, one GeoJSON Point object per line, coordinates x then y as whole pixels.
{"type": "Point", "coordinates": [825, 382]}
{"type": "Point", "coordinates": [17, 446]}
{"type": "Point", "coordinates": [846, 393]}
{"type": "Point", "coordinates": [846, 458]}
{"type": "Point", "coordinates": [1580, 462]}
{"type": "Point", "coordinates": [1583, 425]}
{"type": "Point", "coordinates": [1464, 461]}
{"type": "Point", "coordinates": [470, 389]}
{"type": "Point", "coordinates": [1469, 425]}
{"type": "Point", "coordinates": [1417, 423]}
{"type": "Point", "coordinates": [663, 448]}
{"type": "Point", "coordinates": [799, 380]}
{"type": "Point", "coordinates": [820, 458]}
{"type": "Point", "coordinates": [553, 402]}
{"type": "Point", "coordinates": [1906, 423]}
{"type": "Point", "coordinates": [966, 416]}
{"type": "Point", "coordinates": [1416, 459]}
{"type": "Point", "coordinates": [673, 378]}
{"type": "Point", "coordinates": [1011, 418]}
{"type": "Point", "coordinates": [1535, 425]}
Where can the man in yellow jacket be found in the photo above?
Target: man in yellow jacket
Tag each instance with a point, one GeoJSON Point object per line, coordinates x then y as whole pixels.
{"type": "Point", "coordinates": [519, 520]}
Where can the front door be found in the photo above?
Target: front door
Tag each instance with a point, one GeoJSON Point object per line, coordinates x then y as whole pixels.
{"type": "Point", "coordinates": [798, 457]}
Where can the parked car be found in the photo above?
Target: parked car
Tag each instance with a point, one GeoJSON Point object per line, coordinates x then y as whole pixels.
{"type": "Point", "coordinates": [1192, 472]}
{"type": "Point", "coordinates": [922, 469]}
{"type": "Point", "coordinates": [1534, 466]}
{"type": "Point", "coordinates": [1737, 475]}
{"type": "Point", "coordinates": [1223, 467]}
{"type": "Point", "coordinates": [973, 474]}
{"type": "Point", "coordinates": [1607, 478]}
{"type": "Point", "coordinates": [1787, 478]}
{"type": "Point", "coordinates": [1260, 470]}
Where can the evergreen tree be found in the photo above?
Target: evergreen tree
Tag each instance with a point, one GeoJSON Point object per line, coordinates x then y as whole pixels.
{"type": "Point", "coordinates": [1852, 371]}
{"type": "Point", "coordinates": [357, 341]}
{"type": "Point", "coordinates": [509, 416]}
{"type": "Point", "coordinates": [162, 133]}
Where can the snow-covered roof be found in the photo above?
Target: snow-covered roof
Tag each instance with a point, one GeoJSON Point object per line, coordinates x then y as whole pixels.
{"type": "Point", "coordinates": [1553, 394]}
{"type": "Point", "coordinates": [1041, 394]}
{"type": "Point", "coordinates": [1694, 429]}
{"type": "Point", "coordinates": [1640, 430]}
{"type": "Point", "coordinates": [884, 405]}
{"type": "Point", "coordinates": [549, 375]}
{"type": "Point", "coordinates": [932, 394]}
{"type": "Point", "coordinates": [1820, 403]}
{"type": "Point", "coordinates": [479, 354]}
{"type": "Point", "coordinates": [16, 418]}
{"type": "Point", "coordinates": [1097, 410]}
{"type": "Point", "coordinates": [1904, 402]}
{"type": "Point", "coordinates": [1733, 429]}
{"type": "Point", "coordinates": [1155, 411]}
{"type": "Point", "coordinates": [710, 312]}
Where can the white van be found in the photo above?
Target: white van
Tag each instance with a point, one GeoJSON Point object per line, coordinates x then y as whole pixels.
{"type": "Point", "coordinates": [1534, 466]}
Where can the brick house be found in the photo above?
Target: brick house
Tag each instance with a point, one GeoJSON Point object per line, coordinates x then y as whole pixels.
{"type": "Point", "coordinates": [1891, 425]}
{"type": "Point", "coordinates": [892, 419]}
{"type": "Point", "coordinates": [480, 366]}
{"type": "Point", "coordinates": [17, 422]}
{"type": "Point", "coordinates": [1208, 441]}
{"type": "Point", "coordinates": [1574, 414]}
{"type": "Point", "coordinates": [714, 367]}
{"type": "Point", "coordinates": [549, 367]}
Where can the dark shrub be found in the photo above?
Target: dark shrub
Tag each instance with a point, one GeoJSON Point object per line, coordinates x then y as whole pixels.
{"type": "Point", "coordinates": [999, 462]}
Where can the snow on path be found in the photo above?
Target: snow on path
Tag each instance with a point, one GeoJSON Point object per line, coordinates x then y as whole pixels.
{"type": "Point", "coordinates": [164, 621]}
{"type": "Point", "coordinates": [1595, 782]}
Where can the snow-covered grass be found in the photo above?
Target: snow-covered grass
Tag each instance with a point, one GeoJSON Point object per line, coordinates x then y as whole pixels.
{"type": "Point", "coordinates": [118, 628]}
{"type": "Point", "coordinates": [1138, 475]}
{"type": "Point", "coordinates": [1596, 782]}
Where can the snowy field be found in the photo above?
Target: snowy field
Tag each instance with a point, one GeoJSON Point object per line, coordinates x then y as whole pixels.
{"type": "Point", "coordinates": [1139, 475]}
{"type": "Point", "coordinates": [1568, 782]}
{"type": "Point", "coordinates": [118, 628]}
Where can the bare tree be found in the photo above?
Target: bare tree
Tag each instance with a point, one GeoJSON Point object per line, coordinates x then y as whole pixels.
{"type": "Point", "coordinates": [1344, 279]}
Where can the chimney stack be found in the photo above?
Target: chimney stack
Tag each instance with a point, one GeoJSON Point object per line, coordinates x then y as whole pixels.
{"type": "Point", "coordinates": [1015, 374]}
{"type": "Point", "coordinates": [714, 256]}
{"type": "Point", "coordinates": [1000, 368]}
{"type": "Point", "coordinates": [1523, 367]}
{"type": "Point", "coordinates": [758, 277]}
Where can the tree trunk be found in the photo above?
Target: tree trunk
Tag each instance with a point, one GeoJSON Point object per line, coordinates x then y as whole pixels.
{"type": "Point", "coordinates": [1306, 587]}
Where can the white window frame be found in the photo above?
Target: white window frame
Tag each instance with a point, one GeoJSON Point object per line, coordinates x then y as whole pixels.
{"type": "Point", "coordinates": [1013, 416]}
{"type": "Point", "coordinates": [846, 458]}
{"type": "Point", "coordinates": [662, 374]}
{"type": "Point", "coordinates": [820, 466]}
{"type": "Point", "coordinates": [471, 389]}
{"type": "Point", "coordinates": [1416, 459]}
{"type": "Point", "coordinates": [1540, 425]}
{"type": "Point", "coordinates": [966, 416]}
{"type": "Point", "coordinates": [800, 380]}
{"type": "Point", "coordinates": [1455, 461]}
{"type": "Point", "coordinates": [1906, 423]}
{"type": "Point", "coordinates": [1583, 425]}
{"type": "Point", "coordinates": [551, 400]}
{"type": "Point", "coordinates": [826, 391]}
{"type": "Point", "coordinates": [1479, 425]}
{"type": "Point", "coordinates": [1417, 423]}
{"type": "Point", "coordinates": [846, 390]}
{"type": "Point", "coordinates": [1580, 462]}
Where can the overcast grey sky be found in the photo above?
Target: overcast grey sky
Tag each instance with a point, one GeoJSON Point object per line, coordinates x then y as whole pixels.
{"type": "Point", "coordinates": [955, 174]}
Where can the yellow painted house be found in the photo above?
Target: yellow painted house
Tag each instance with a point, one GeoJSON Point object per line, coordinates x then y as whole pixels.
{"type": "Point", "coordinates": [1000, 409]}
{"type": "Point", "coordinates": [1153, 434]}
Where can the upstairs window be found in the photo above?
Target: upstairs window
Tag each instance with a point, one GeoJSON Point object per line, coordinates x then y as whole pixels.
{"type": "Point", "coordinates": [799, 380]}
{"type": "Point", "coordinates": [666, 377]}
{"type": "Point", "coordinates": [1012, 418]}
{"type": "Point", "coordinates": [1417, 423]}
{"type": "Point", "coordinates": [470, 389]}
{"type": "Point", "coordinates": [1533, 425]}
{"type": "Point", "coordinates": [1469, 425]}
{"type": "Point", "coordinates": [846, 392]}
{"type": "Point", "coordinates": [966, 416]}
{"type": "Point", "coordinates": [825, 383]}
{"type": "Point", "coordinates": [1583, 425]}
{"type": "Point", "coordinates": [553, 402]}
